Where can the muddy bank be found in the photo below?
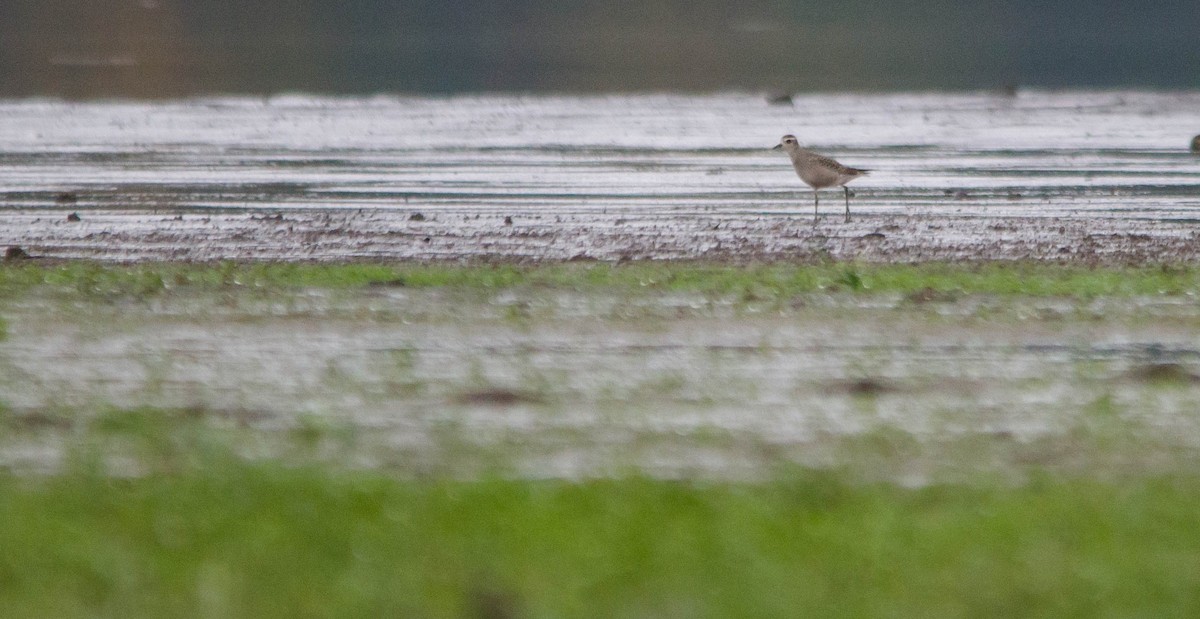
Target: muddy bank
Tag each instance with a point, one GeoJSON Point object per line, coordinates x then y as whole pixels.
{"type": "Point", "coordinates": [1088, 176]}
{"type": "Point", "coordinates": [511, 235]}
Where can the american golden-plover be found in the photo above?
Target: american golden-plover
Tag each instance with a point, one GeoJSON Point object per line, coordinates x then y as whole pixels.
{"type": "Point", "coordinates": [819, 171]}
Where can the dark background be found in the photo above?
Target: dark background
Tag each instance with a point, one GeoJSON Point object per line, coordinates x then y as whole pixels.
{"type": "Point", "coordinates": [160, 48]}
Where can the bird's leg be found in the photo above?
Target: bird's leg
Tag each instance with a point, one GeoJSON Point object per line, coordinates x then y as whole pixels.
{"type": "Point", "coordinates": [816, 201]}
{"type": "Point", "coordinates": [847, 190]}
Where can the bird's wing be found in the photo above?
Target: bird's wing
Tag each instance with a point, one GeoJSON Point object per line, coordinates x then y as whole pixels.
{"type": "Point", "coordinates": [832, 164]}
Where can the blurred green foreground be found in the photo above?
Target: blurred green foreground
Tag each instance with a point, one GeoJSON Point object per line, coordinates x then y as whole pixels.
{"type": "Point", "coordinates": [169, 513]}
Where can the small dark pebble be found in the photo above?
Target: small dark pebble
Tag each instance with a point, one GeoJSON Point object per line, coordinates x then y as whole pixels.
{"type": "Point", "coordinates": [497, 397]}
{"type": "Point", "coordinates": [426, 240]}
{"type": "Point", "coordinates": [779, 99]}
{"type": "Point", "coordinates": [1162, 373]}
{"type": "Point", "coordinates": [73, 217]}
{"type": "Point", "coordinates": [874, 236]}
{"type": "Point", "coordinates": [494, 604]}
{"type": "Point", "coordinates": [864, 387]}
{"type": "Point", "coordinates": [508, 221]}
{"type": "Point", "coordinates": [397, 282]}
{"type": "Point", "coordinates": [15, 253]}
{"type": "Point", "coordinates": [416, 217]}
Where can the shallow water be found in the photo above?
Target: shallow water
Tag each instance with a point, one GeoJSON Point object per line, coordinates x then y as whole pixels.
{"type": "Point", "coordinates": [606, 177]}
{"type": "Point", "coordinates": [551, 383]}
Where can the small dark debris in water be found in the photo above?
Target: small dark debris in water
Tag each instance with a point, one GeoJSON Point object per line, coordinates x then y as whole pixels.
{"type": "Point", "coordinates": [243, 417]}
{"type": "Point", "coordinates": [66, 197]}
{"type": "Point", "coordinates": [874, 236]}
{"type": "Point", "coordinates": [497, 396]}
{"type": "Point", "coordinates": [15, 253]}
{"type": "Point", "coordinates": [39, 420]}
{"type": "Point", "coordinates": [864, 387]}
{"type": "Point", "coordinates": [416, 217]}
{"type": "Point", "coordinates": [275, 217]}
{"type": "Point", "coordinates": [508, 220]}
{"type": "Point", "coordinates": [73, 217]}
{"type": "Point", "coordinates": [1163, 373]}
{"type": "Point", "coordinates": [1196, 145]}
{"type": "Point", "coordinates": [779, 99]}
{"type": "Point", "coordinates": [426, 240]}
{"type": "Point", "coordinates": [929, 294]}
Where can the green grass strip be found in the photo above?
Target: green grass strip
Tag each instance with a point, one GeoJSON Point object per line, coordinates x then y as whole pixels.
{"type": "Point", "coordinates": [749, 281]}
{"type": "Point", "coordinates": [264, 540]}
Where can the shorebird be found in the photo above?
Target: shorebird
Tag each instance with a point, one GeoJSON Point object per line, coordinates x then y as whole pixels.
{"type": "Point", "coordinates": [819, 171]}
